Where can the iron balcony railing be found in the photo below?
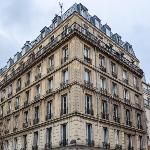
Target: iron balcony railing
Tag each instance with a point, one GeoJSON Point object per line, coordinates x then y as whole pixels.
{"type": "Point", "coordinates": [118, 147]}
{"type": "Point", "coordinates": [25, 124]}
{"type": "Point", "coordinates": [48, 146]}
{"type": "Point", "coordinates": [50, 68]}
{"type": "Point", "coordinates": [88, 84]}
{"type": "Point", "coordinates": [38, 76]}
{"type": "Point", "coordinates": [90, 142]}
{"type": "Point", "coordinates": [64, 142]}
{"type": "Point", "coordinates": [64, 83]}
{"type": "Point", "coordinates": [64, 59]}
{"type": "Point", "coordinates": [27, 83]}
{"type": "Point", "coordinates": [128, 123]}
{"type": "Point", "coordinates": [49, 116]}
{"type": "Point", "coordinates": [106, 145]}
{"type": "Point", "coordinates": [78, 31]}
{"type": "Point", "coordinates": [35, 147]}
{"type": "Point", "coordinates": [89, 111]}
{"type": "Point", "coordinates": [35, 121]}
{"type": "Point", "coordinates": [103, 68]}
{"type": "Point", "coordinates": [105, 115]}
{"type": "Point", "coordinates": [116, 119]}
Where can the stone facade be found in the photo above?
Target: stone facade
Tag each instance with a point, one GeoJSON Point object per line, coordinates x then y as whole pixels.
{"type": "Point", "coordinates": [146, 95]}
{"type": "Point", "coordinates": [74, 89]}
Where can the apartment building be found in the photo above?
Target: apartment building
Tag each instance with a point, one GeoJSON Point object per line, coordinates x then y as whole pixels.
{"type": "Point", "coordinates": [76, 86]}
{"type": "Point", "coordinates": [146, 95]}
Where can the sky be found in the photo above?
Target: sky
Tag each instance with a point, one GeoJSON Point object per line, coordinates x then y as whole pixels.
{"type": "Point", "coordinates": [22, 20]}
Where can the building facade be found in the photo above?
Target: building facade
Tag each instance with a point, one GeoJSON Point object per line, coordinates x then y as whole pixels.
{"type": "Point", "coordinates": [76, 86]}
{"type": "Point", "coordinates": [146, 95]}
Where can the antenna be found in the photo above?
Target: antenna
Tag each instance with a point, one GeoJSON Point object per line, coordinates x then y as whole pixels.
{"type": "Point", "coordinates": [61, 8]}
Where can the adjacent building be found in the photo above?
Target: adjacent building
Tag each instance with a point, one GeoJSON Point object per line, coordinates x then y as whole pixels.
{"type": "Point", "coordinates": [77, 85]}
{"type": "Point", "coordinates": [146, 95]}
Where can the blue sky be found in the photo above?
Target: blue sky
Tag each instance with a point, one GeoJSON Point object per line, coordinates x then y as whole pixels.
{"type": "Point", "coordinates": [22, 20]}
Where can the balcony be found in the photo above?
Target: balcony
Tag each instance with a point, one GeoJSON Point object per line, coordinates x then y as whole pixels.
{"type": "Point", "coordinates": [105, 116]}
{"type": "Point", "coordinates": [118, 147]}
{"type": "Point", "coordinates": [25, 148]}
{"type": "Point", "coordinates": [64, 83]}
{"type": "Point", "coordinates": [16, 107]}
{"type": "Point", "coordinates": [136, 87]}
{"type": "Point", "coordinates": [89, 112]}
{"type": "Point", "coordinates": [18, 89]}
{"type": "Point", "coordinates": [103, 90]}
{"type": "Point", "coordinates": [25, 124]}
{"type": "Point", "coordinates": [35, 121]}
{"type": "Point", "coordinates": [6, 131]}
{"type": "Point", "coordinates": [63, 142]}
{"type": "Point", "coordinates": [103, 68]}
{"type": "Point", "coordinates": [90, 142]}
{"type": "Point", "coordinates": [106, 145]}
{"type": "Point", "coordinates": [27, 83]}
{"type": "Point", "coordinates": [35, 147]}
{"type": "Point", "coordinates": [48, 146]}
{"type": "Point", "coordinates": [127, 101]}
{"type": "Point", "coordinates": [139, 126]}
{"type": "Point", "coordinates": [114, 74]}
{"type": "Point", "coordinates": [26, 103]}
{"type": "Point", "coordinates": [126, 81]}
{"type": "Point", "coordinates": [87, 60]}
{"type": "Point", "coordinates": [38, 76]}
{"type": "Point", "coordinates": [10, 95]}
{"type": "Point", "coordinates": [48, 117]}
{"type": "Point", "coordinates": [115, 96]}
{"type": "Point", "coordinates": [116, 119]}
{"type": "Point", "coordinates": [130, 148]}
{"type": "Point", "coordinates": [64, 60]}
{"type": "Point", "coordinates": [8, 111]}
{"type": "Point", "coordinates": [49, 91]}
{"type": "Point", "coordinates": [128, 123]}
{"type": "Point", "coordinates": [2, 99]}
{"type": "Point", "coordinates": [64, 111]}
{"type": "Point", "coordinates": [137, 105]}
{"type": "Point", "coordinates": [37, 97]}
{"type": "Point", "coordinates": [88, 84]}
{"type": "Point", "coordinates": [49, 69]}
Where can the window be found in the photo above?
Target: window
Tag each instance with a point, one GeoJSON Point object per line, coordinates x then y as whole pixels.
{"type": "Point", "coordinates": [64, 105]}
{"type": "Point", "coordinates": [9, 106]}
{"type": "Point", "coordinates": [15, 143]}
{"type": "Point", "coordinates": [49, 110]}
{"type": "Point", "coordinates": [116, 114]}
{"type": "Point", "coordinates": [36, 115]}
{"type": "Point", "coordinates": [17, 103]}
{"type": "Point", "coordinates": [86, 53]}
{"type": "Point", "coordinates": [103, 83]}
{"type": "Point", "coordinates": [16, 121]}
{"type": "Point", "coordinates": [104, 107]}
{"type": "Point", "coordinates": [126, 95]}
{"type": "Point", "coordinates": [24, 141]}
{"type": "Point", "coordinates": [27, 95]}
{"type": "Point", "coordinates": [129, 141]}
{"type": "Point", "coordinates": [102, 61]}
{"type": "Point", "coordinates": [10, 89]}
{"type": "Point", "coordinates": [38, 90]}
{"type": "Point", "coordinates": [139, 122]}
{"type": "Point", "coordinates": [64, 140]}
{"type": "Point", "coordinates": [26, 116]}
{"type": "Point", "coordinates": [114, 89]}
{"type": "Point", "coordinates": [113, 67]}
{"type": "Point", "coordinates": [35, 139]}
{"type": "Point", "coordinates": [89, 133]}
{"type": "Point", "coordinates": [105, 135]}
{"type": "Point", "coordinates": [116, 132]}
{"type": "Point", "coordinates": [65, 54]}
{"type": "Point", "coordinates": [128, 122]}
{"type": "Point", "coordinates": [65, 76]}
{"type": "Point", "coordinates": [52, 38]}
{"type": "Point", "coordinates": [50, 84]}
{"type": "Point", "coordinates": [48, 136]}
{"type": "Point", "coordinates": [18, 85]}
{"type": "Point", "coordinates": [87, 76]}
{"type": "Point", "coordinates": [51, 61]}
{"type": "Point", "coordinates": [135, 82]}
{"type": "Point", "coordinates": [39, 69]}
{"type": "Point", "coordinates": [141, 144]}
{"type": "Point", "coordinates": [88, 104]}
{"type": "Point", "coordinates": [125, 76]}
{"type": "Point", "coordinates": [28, 76]}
